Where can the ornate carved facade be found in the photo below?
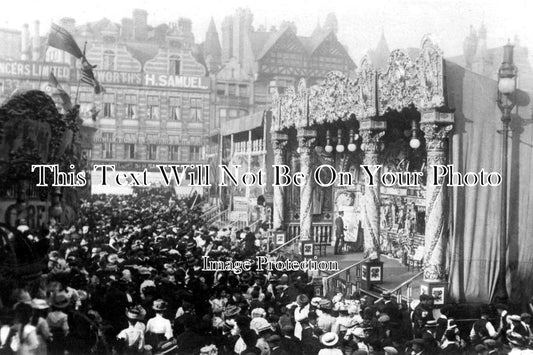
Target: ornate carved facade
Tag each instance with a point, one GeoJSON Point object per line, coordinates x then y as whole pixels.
{"type": "Point", "coordinates": [380, 113]}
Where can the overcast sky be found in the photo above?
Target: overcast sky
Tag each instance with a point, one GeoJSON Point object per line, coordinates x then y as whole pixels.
{"type": "Point", "coordinates": [360, 22]}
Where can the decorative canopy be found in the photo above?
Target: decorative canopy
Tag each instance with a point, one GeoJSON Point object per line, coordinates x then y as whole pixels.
{"type": "Point", "coordinates": [404, 82]}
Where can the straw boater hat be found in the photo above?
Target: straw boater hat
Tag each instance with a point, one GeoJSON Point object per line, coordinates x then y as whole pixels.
{"type": "Point", "coordinates": [60, 300]}
{"type": "Point", "coordinates": [159, 305]}
{"type": "Point", "coordinates": [232, 311]}
{"type": "Point", "coordinates": [37, 303]}
{"type": "Point", "coordinates": [325, 304]}
{"type": "Point", "coordinates": [315, 301]}
{"type": "Point", "coordinates": [389, 350]}
{"type": "Point", "coordinates": [329, 339]}
{"type": "Point", "coordinates": [260, 324]}
{"type": "Point", "coordinates": [515, 338]}
{"type": "Point", "coordinates": [135, 313]}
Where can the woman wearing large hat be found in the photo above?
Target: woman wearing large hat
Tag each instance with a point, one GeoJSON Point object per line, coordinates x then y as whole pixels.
{"type": "Point", "coordinates": [137, 314]}
{"type": "Point", "coordinates": [158, 328]}
{"type": "Point", "coordinates": [58, 321]}
{"type": "Point", "coordinates": [131, 339]}
{"type": "Point", "coordinates": [330, 340]}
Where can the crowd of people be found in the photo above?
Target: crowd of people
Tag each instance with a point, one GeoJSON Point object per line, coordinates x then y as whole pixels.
{"type": "Point", "coordinates": [128, 279]}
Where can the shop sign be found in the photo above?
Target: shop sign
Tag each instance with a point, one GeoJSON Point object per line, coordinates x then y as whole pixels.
{"type": "Point", "coordinates": [33, 70]}
{"type": "Point", "coordinates": [119, 78]}
{"type": "Point", "coordinates": [176, 81]}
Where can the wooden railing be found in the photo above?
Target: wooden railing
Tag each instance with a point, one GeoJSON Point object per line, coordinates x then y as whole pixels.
{"type": "Point", "coordinates": [404, 291]}
{"type": "Point", "coordinates": [322, 231]}
{"type": "Point", "coordinates": [219, 219]}
{"type": "Point", "coordinates": [211, 212]}
{"type": "Point", "coordinates": [346, 277]}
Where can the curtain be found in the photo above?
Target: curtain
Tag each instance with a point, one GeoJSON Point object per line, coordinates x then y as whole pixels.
{"type": "Point", "coordinates": [475, 144]}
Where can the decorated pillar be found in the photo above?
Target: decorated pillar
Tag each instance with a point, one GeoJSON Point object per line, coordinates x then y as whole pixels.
{"type": "Point", "coordinates": [306, 144]}
{"type": "Point", "coordinates": [436, 127]}
{"type": "Point", "coordinates": [371, 132]}
{"type": "Point", "coordinates": [279, 143]}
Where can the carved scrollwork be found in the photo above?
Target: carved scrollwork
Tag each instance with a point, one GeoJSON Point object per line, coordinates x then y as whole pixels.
{"type": "Point", "coordinates": [365, 90]}
{"type": "Point", "coordinates": [429, 66]}
{"type": "Point", "coordinates": [397, 85]}
{"type": "Point", "coordinates": [436, 136]}
{"type": "Point", "coordinates": [332, 99]}
{"type": "Point", "coordinates": [306, 145]}
{"type": "Point", "coordinates": [276, 111]}
{"type": "Point", "coordinates": [371, 140]}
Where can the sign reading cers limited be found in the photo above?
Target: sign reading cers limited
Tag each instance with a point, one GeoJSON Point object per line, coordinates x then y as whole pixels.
{"type": "Point", "coordinates": [33, 70]}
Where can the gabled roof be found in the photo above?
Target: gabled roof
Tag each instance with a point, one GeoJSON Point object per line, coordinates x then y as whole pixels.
{"type": "Point", "coordinates": [258, 40]}
{"type": "Point", "coordinates": [143, 52]}
{"type": "Point", "coordinates": [262, 42]}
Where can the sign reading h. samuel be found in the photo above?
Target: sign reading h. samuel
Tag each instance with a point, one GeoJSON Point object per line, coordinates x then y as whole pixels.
{"type": "Point", "coordinates": [33, 70]}
{"type": "Point", "coordinates": [160, 80]}
{"type": "Point", "coordinates": [176, 81]}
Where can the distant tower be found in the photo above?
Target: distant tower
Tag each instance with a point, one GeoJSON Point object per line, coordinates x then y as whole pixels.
{"type": "Point", "coordinates": [331, 23]}
{"type": "Point", "coordinates": [212, 48]}
{"type": "Point", "coordinates": [25, 43]}
{"type": "Point", "coordinates": [227, 38]}
{"type": "Point", "coordinates": [235, 33]}
{"type": "Point", "coordinates": [380, 56]}
{"type": "Point", "coordinates": [318, 29]}
{"type": "Point", "coordinates": [140, 24]}
{"type": "Point", "coordinates": [36, 41]}
{"type": "Point", "coordinates": [470, 47]}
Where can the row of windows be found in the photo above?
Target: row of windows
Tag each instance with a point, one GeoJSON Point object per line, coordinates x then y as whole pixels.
{"type": "Point", "coordinates": [175, 152]}
{"type": "Point", "coordinates": [232, 113]}
{"type": "Point", "coordinates": [240, 90]}
{"type": "Point", "coordinates": [153, 112]}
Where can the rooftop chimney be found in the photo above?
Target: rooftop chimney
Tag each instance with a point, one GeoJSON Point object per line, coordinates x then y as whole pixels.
{"type": "Point", "coordinates": [36, 45]}
{"type": "Point", "coordinates": [25, 42]}
{"type": "Point", "coordinates": [140, 24]}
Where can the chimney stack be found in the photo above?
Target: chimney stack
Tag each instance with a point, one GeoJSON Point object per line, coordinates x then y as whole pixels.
{"type": "Point", "coordinates": [25, 42]}
{"type": "Point", "coordinates": [140, 24]}
{"type": "Point", "coordinates": [36, 45]}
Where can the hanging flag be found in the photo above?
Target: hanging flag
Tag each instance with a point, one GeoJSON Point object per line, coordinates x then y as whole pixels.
{"type": "Point", "coordinates": [94, 113]}
{"type": "Point", "coordinates": [61, 39]}
{"type": "Point", "coordinates": [65, 98]}
{"type": "Point", "coordinates": [87, 76]}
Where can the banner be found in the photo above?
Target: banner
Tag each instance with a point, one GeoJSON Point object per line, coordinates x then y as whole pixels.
{"type": "Point", "coordinates": [32, 70]}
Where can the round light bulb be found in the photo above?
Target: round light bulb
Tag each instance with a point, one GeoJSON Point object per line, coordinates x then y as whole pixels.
{"type": "Point", "coordinates": [355, 137]}
{"type": "Point", "coordinates": [506, 85]}
{"type": "Point", "coordinates": [414, 143]}
{"type": "Point", "coordinates": [298, 150]}
{"type": "Point", "coordinates": [339, 148]}
{"type": "Point", "coordinates": [352, 147]}
{"type": "Point", "coordinates": [328, 148]}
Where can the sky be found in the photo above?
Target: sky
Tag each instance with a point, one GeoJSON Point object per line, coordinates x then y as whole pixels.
{"type": "Point", "coordinates": [361, 23]}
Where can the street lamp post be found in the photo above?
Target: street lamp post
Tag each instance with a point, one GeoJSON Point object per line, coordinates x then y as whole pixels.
{"type": "Point", "coordinates": [506, 103]}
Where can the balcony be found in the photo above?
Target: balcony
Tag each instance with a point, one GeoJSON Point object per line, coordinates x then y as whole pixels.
{"type": "Point", "coordinates": [254, 147]}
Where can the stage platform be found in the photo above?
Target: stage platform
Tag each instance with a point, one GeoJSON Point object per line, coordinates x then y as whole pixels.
{"type": "Point", "coordinates": [394, 273]}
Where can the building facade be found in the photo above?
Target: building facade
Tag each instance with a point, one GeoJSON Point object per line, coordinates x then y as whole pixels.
{"type": "Point", "coordinates": [155, 108]}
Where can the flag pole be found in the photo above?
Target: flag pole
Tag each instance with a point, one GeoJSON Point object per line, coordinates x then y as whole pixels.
{"type": "Point", "coordinates": [79, 80]}
{"type": "Point", "coordinates": [43, 61]}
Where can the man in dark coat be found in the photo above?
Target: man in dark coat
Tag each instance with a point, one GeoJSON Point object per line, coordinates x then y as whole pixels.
{"type": "Point", "coordinates": [339, 233]}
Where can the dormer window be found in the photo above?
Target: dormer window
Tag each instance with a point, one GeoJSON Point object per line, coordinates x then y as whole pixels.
{"type": "Point", "coordinates": [109, 60]}
{"type": "Point", "coordinates": [174, 65]}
